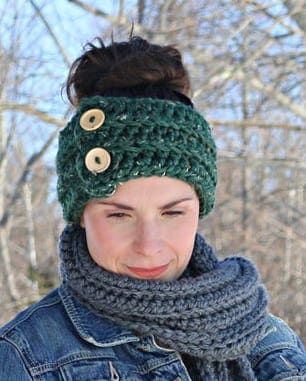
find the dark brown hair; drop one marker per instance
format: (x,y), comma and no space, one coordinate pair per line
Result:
(135,68)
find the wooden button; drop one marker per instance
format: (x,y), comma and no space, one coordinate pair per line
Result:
(97,160)
(92,119)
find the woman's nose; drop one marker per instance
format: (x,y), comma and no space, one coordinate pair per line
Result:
(148,239)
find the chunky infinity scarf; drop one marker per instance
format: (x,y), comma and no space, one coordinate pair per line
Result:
(215,313)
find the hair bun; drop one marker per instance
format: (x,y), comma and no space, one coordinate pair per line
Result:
(131,68)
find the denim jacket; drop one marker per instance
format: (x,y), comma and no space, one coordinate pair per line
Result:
(58,339)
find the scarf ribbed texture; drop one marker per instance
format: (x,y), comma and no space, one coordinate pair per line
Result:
(215,313)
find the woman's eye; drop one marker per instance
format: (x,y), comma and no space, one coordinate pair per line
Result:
(117,215)
(173,213)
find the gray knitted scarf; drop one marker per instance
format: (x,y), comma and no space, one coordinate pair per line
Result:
(214,314)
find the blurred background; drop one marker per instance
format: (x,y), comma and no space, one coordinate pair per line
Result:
(247,61)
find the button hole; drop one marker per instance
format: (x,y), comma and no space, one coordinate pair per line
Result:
(97,160)
(92,119)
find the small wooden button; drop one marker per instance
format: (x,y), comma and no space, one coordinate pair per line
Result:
(92,119)
(97,160)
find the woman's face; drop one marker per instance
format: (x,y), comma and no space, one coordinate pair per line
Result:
(145,230)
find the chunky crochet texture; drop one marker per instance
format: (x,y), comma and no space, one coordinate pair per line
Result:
(216,312)
(144,137)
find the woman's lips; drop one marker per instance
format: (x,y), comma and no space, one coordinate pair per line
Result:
(152,272)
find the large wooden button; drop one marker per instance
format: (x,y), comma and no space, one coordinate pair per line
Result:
(92,119)
(97,160)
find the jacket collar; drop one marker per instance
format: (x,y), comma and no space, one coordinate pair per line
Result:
(95,329)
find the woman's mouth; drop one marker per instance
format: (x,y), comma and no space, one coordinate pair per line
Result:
(149,273)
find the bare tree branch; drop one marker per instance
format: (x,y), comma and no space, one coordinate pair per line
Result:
(259,160)
(28,109)
(298,10)
(270,90)
(141,8)
(257,124)
(23,177)
(51,33)
(123,20)
(297,30)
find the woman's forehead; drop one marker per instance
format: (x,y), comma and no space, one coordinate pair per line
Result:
(160,189)
(154,183)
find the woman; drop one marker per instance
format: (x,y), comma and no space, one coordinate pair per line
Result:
(143,296)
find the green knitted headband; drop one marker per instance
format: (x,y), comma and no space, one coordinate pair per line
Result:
(111,140)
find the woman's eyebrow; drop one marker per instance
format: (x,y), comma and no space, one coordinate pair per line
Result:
(117,204)
(172,203)
(127,207)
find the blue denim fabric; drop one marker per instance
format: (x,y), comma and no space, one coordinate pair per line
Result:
(58,339)
(280,355)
